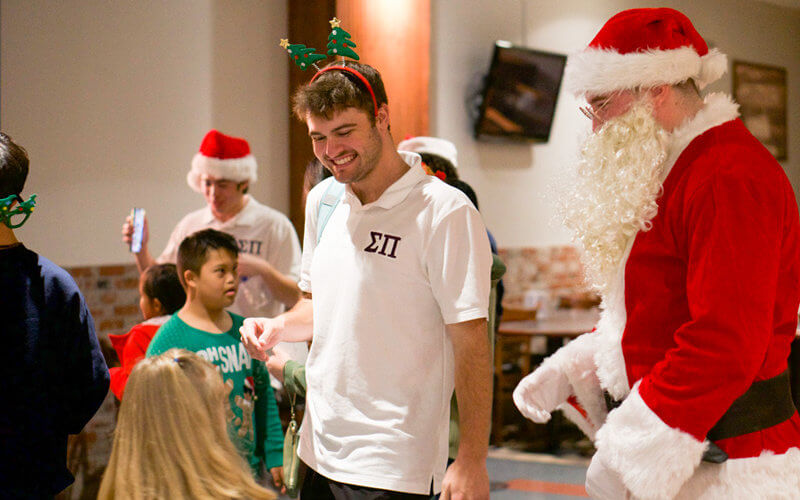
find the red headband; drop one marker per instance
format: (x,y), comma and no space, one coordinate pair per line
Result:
(358,75)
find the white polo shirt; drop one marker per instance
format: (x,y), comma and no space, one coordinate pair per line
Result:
(387,277)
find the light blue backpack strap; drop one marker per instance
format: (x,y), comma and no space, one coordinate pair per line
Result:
(327,204)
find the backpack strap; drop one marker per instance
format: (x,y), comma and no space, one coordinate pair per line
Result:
(327,204)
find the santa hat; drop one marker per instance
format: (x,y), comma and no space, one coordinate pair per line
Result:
(431,145)
(643,48)
(223,157)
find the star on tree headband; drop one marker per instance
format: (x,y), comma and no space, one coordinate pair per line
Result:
(339,44)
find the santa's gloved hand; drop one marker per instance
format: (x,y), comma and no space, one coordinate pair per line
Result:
(541,392)
(603,483)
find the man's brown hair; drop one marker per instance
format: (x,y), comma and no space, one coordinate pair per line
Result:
(335,91)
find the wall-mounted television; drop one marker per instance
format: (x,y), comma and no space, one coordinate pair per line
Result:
(519,97)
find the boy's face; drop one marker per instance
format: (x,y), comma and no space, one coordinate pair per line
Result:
(218,280)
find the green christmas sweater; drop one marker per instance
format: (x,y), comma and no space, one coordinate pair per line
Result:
(253,421)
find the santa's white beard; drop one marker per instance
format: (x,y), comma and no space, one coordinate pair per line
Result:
(619,178)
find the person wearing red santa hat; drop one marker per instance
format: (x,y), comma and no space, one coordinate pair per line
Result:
(691,235)
(269,257)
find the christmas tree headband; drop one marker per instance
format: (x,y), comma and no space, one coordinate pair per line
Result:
(24,208)
(339,44)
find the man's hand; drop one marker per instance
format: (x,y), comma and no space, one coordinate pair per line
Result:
(260,334)
(282,288)
(276,362)
(250,265)
(143,258)
(466,481)
(277,478)
(541,392)
(127,232)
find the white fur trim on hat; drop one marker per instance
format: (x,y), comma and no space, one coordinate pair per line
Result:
(653,459)
(598,71)
(235,169)
(431,145)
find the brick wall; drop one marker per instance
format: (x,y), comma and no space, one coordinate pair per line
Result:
(112,294)
(556,270)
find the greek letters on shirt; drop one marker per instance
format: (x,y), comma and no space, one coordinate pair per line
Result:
(383,244)
(229,358)
(252,247)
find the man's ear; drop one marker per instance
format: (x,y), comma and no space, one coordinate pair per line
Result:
(382,117)
(660,93)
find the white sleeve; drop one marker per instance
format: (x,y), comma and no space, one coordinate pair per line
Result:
(459,264)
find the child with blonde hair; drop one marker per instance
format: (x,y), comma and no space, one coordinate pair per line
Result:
(172,440)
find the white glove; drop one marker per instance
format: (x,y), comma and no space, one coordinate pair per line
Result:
(603,483)
(541,392)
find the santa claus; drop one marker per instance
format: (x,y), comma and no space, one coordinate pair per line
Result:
(691,235)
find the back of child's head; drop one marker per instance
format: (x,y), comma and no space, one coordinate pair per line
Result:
(171,439)
(193,250)
(13,167)
(160,281)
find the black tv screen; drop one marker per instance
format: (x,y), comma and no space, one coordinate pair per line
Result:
(519,98)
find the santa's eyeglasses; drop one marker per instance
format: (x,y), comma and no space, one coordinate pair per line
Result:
(592,111)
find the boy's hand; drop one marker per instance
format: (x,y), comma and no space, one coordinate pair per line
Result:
(260,334)
(276,362)
(277,478)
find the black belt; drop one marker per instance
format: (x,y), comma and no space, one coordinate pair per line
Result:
(765,404)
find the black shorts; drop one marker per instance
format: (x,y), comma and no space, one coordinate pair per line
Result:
(318,487)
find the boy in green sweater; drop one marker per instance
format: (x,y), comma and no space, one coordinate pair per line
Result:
(207,263)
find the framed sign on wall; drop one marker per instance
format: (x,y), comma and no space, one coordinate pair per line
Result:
(760,91)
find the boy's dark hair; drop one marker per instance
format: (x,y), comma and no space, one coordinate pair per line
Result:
(336,91)
(161,282)
(13,167)
(193,251)
(438,164)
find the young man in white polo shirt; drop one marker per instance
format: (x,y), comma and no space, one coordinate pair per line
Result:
(400,284)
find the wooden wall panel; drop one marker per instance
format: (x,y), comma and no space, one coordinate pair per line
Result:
(394,37)
(308,24)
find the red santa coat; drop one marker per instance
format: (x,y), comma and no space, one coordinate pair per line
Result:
(706,303)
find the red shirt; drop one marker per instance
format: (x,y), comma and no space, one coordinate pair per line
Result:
(131,348)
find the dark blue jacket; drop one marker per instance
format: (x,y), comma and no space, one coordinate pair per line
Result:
(53,377)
